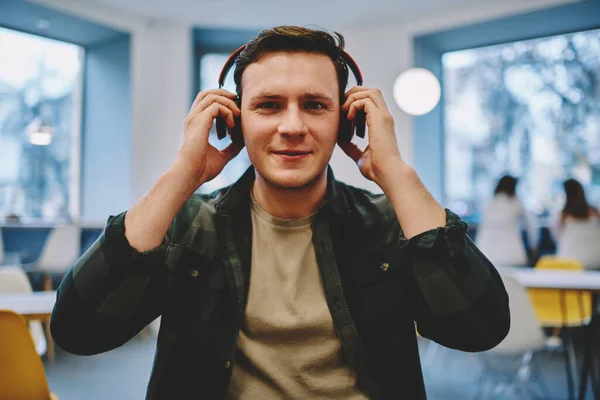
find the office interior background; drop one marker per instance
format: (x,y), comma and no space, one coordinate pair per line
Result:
(93,94)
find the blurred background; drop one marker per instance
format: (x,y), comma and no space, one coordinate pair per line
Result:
(93,94)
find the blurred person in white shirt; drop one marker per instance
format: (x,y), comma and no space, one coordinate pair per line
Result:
(502,220)
(576,229)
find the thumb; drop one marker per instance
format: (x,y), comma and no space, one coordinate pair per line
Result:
(232,150)
(351,150)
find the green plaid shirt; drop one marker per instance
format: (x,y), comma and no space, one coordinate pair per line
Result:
(377,284)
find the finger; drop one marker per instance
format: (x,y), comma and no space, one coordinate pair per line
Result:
(351,150)
(232,150)
(221,92)
(208,115)
(217,109)
(348,95)
(373,94)
(365,104)
(213,98)
(356,89)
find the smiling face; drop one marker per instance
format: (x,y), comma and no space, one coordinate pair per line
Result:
(290,117)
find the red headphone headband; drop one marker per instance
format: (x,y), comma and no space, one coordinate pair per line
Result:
(233,57)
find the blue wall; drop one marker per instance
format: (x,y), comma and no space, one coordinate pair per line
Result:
(428,140)
(106,142)
(428,49)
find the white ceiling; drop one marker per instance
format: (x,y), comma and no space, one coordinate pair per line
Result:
(328,14)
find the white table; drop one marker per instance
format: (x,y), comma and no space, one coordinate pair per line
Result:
(34,306)
(585,281)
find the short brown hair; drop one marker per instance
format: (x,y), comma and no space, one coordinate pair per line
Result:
(294,39)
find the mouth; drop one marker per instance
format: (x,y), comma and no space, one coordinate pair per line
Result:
(291,154)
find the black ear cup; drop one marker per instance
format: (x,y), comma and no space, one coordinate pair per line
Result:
(346,131)
(221,127)
(360,124)
(235,132)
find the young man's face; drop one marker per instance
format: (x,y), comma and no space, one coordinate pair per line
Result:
(290,116)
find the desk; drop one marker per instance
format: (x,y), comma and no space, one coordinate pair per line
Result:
(34,306)
(586,280)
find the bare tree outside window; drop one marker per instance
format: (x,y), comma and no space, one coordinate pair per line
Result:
(528,108)
(40,110)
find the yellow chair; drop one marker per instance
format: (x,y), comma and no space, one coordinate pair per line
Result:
(556,309)
(23,376)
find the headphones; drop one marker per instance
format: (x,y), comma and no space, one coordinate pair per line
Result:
(346,130)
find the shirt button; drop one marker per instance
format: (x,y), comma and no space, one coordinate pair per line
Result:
(194,273)
(227,364)
(385,266)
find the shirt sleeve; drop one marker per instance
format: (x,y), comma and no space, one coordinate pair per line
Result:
(110,294)
(460,300)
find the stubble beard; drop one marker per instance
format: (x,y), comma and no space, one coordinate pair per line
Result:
(292,187)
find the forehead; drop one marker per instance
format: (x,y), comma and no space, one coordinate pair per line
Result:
(287,72)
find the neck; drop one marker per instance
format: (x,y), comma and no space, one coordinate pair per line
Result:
(290,203)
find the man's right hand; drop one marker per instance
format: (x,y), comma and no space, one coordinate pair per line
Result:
(198,161)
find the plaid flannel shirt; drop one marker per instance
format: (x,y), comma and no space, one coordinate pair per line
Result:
(378,284)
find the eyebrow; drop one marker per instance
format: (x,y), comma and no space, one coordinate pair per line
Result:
(308,95)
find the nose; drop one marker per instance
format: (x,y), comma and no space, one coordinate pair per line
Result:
(292,123)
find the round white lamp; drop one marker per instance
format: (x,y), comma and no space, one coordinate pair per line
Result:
(417,91)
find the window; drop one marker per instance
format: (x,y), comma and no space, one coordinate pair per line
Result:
(40,110)
(528,108)
(211,65)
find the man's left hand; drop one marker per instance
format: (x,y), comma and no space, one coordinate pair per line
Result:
(382,154)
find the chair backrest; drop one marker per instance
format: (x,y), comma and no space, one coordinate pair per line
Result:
(555,308)
(552,262)
(525,333)
(23,375)
(61,249)
(14,280)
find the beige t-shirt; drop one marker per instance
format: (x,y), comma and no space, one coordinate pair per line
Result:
(287,347)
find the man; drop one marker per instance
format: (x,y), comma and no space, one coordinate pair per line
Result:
(289,284)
